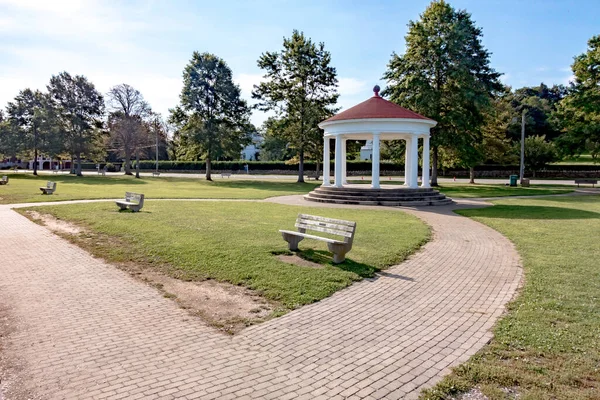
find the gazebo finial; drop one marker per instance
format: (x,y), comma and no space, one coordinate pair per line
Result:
(376,90)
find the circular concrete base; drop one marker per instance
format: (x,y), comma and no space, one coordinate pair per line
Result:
(387,195)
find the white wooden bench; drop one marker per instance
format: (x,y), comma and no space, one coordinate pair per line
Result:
(4,180)
(226,174)
(49,188)
(133,201)
(338,227)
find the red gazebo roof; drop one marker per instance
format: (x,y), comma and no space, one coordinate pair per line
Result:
(376,107)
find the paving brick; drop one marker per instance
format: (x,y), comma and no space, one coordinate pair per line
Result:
(85,327)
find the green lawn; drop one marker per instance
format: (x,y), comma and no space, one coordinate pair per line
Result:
(24,188)
(548,345)
(237,242)
(488,190)
(495,190)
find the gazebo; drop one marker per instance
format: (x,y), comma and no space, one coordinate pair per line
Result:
(376,119)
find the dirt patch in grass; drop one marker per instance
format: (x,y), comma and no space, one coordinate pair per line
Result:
(55,224)
(296,260)
(227,307)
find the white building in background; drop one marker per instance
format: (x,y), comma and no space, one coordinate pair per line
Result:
(366,151)
(252,151)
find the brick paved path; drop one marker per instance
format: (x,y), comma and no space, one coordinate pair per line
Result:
(86,330)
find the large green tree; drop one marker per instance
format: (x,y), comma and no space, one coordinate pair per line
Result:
(301,87)
(579,112)
(445,75)
(80,107)
(33,117)
(212,120)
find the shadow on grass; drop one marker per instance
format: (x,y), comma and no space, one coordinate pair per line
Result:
(529,212)
(325,257)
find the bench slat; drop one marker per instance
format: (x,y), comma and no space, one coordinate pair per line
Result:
(323,219)
(309,236)
(325,230)
(343,228)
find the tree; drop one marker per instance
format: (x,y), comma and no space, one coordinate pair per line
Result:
(128,134)
(301,87)
(538,152)
(212,119)
(445,75)
(80,108)
(579,111)
(33,117)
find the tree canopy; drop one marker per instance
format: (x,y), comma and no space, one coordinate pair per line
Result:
(445,75)
(80,107)
(579,111)
(212,120)
(301,87)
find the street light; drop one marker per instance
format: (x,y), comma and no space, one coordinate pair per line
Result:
(522,164)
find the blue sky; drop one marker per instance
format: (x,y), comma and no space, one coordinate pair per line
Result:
(147,43)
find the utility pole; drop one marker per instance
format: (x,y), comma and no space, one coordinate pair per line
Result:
(522,167)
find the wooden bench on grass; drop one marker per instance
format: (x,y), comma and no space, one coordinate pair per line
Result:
(49,188)
(338,227)
(4,180)
(226,174)
(586,181)
(133,201)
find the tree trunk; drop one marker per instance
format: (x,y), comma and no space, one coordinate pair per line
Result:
(208,169)
(137,164)
(434,166)
(78,169)
(301,167)
(128,164)
(35,151)
(472,175)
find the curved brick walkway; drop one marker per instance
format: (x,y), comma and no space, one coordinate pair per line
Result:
(86,330)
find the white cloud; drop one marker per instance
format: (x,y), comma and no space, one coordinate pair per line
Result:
(351,86)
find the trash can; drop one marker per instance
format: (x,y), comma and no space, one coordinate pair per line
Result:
(513,180)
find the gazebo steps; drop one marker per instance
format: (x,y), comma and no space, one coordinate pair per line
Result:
(385,197)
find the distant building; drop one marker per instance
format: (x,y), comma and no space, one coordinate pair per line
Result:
(366,151)
(252,151)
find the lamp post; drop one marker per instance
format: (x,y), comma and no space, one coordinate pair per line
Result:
(522,166)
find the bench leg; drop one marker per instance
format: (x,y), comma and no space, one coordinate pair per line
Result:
(339,251)
(292,240)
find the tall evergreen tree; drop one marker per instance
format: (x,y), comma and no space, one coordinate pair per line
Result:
(33,117)
(445,75)
(212,118)
(80,108)
(301,87)
(579,112)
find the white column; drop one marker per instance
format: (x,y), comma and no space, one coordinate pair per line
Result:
(338,162)
(344,175)
(414,162)
(326,162)
(425,179)
(407,162)
(375,162)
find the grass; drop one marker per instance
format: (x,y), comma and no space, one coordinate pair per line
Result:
(237,242)
(24,188)
(488,190)
(583,159)
(548,344)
